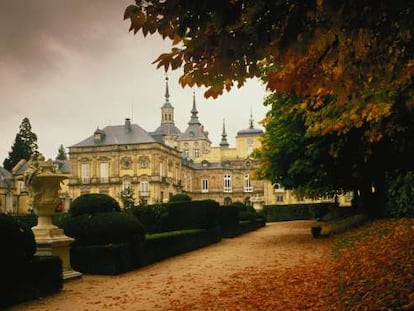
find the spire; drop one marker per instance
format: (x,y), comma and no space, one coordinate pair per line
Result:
(167,92)
(251,119)
(224,142)
(194,112)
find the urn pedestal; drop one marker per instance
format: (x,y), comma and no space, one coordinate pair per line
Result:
(50,240)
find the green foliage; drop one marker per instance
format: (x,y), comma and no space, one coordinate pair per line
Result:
(61,153)
(246,213)
(110,259)
(127,196)
(299,211)
(37,278)
(104,228)
(92,203)
(152,217)
(192,215)
(400,194)
(180,197)
(164,245)
(17,242)
(24,147)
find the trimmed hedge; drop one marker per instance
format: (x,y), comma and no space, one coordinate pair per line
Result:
(39,277)
(180,197)
(152,217)
(228,219)
(104,228)
(191,215)
(297,211)
(247,226)
(92,203)
(168,244)
(17,241)
(110,259)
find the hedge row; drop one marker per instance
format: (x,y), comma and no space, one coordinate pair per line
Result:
(39,277)
(297,211)
(113,259)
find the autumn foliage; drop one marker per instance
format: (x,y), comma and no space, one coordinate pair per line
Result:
(370,268)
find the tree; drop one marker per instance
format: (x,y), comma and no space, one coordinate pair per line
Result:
(61,153)
(348,65)
(359,53)
(127,196)
(24,147)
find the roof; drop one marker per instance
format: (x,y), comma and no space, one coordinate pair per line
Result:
(118,135)
(249,131)
(4,175)
(167,129)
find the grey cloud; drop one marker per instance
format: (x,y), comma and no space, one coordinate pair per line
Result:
(35,34)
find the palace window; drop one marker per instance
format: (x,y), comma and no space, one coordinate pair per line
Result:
(143,162)
(104,172)
(248,187)
(85,173)
(227,183)
(204,185)
(126,183)
(144,188)
(279,198)
(196,153)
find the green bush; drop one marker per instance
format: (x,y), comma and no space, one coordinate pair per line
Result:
(104,228)
(17,241)
(92,203)
(400,195)
(164,245)
(298,211)
(152,217)
(38,277)
(180,197)
(191,215)
(245,212)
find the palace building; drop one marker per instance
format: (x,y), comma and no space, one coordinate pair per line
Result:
(156,165)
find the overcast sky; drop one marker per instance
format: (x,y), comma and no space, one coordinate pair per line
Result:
(71,65)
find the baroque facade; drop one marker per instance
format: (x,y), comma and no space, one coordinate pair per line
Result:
(168,161)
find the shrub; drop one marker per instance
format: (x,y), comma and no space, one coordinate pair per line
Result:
(152,217)
(400,195)
(104,228)
(92,203)
(192,215)
(180,197)
(300,211)
(17,241)
(245,212)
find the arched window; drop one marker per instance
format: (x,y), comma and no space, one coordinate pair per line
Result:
(227,201)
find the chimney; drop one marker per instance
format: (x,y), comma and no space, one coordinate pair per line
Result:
(128,124)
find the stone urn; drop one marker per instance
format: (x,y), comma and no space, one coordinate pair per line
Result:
(44,183)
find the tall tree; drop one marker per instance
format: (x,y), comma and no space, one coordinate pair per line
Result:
(24,147)
(359,53)
(62,153)
(348,65)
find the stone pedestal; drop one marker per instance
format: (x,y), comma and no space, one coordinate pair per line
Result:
(52,241)
(258,202)
(44,184)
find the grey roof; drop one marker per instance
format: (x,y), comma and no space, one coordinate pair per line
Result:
(250,130)
(5,175)
(20,168)
(194,131)
(63,165)
(119,135)
(167,129)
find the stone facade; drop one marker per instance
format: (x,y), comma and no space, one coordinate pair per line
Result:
(168,161)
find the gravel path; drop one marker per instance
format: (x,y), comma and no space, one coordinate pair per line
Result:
(186,277)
